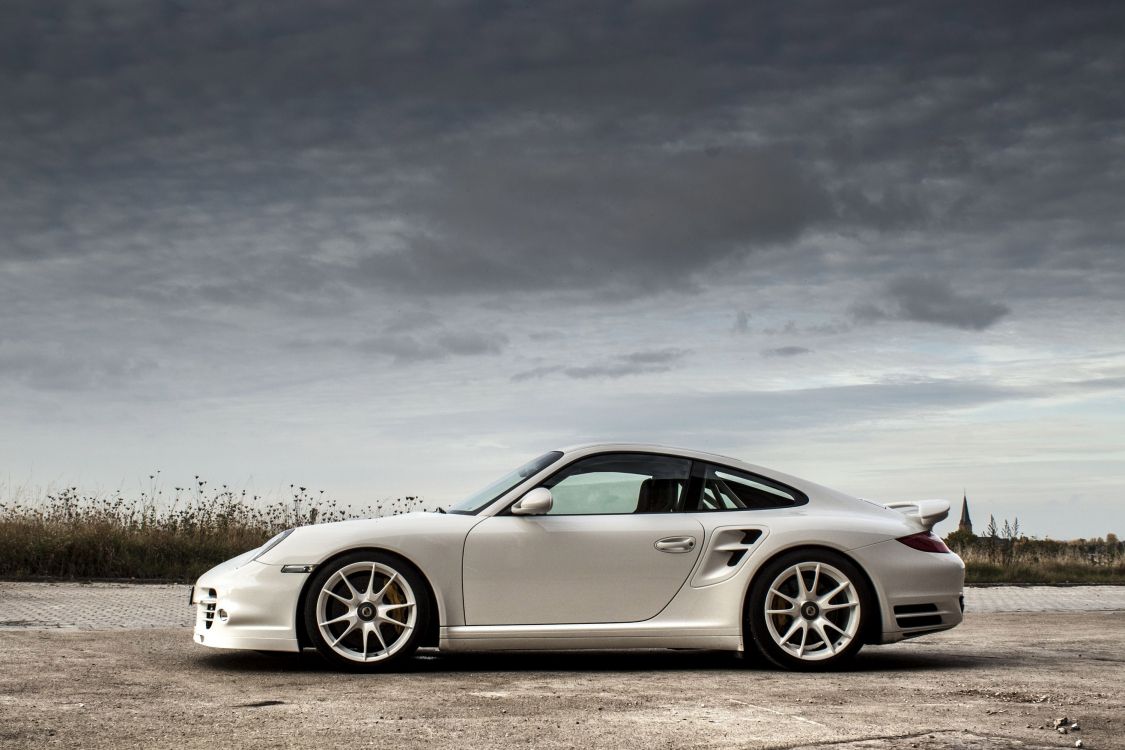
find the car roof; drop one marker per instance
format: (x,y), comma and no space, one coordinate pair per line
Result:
(649,448)
(674,451)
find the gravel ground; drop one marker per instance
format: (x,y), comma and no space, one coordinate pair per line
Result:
(106,606)
(998,681)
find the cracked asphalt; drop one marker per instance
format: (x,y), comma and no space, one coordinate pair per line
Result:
(997,681)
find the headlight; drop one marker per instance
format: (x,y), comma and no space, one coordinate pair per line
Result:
(273,543)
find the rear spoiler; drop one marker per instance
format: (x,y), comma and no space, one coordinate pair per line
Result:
(928,512)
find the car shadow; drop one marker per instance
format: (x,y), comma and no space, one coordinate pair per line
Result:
(647,661)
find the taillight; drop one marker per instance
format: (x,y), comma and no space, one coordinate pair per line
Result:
(925,541)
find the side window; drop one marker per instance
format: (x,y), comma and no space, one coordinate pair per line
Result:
(620,483)
(727,489)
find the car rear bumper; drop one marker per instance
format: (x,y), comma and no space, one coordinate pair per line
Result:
(919,592)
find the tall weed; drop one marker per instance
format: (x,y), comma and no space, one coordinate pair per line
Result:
(69,534)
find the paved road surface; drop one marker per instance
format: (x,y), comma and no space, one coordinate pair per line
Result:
(110,665)
(102,606)
(998,681)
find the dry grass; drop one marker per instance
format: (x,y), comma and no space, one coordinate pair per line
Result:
(68,534)
(999,559)
(1043,572)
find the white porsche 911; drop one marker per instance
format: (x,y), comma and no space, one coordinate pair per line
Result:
(600,547)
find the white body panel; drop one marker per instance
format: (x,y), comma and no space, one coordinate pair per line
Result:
(538,570)
(555,582)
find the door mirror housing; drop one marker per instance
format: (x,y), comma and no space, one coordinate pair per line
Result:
(538,502)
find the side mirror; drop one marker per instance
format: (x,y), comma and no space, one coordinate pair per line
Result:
(538,502)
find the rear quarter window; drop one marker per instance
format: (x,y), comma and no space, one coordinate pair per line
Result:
(731,489)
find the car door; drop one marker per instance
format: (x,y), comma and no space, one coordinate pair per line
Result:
(615,547)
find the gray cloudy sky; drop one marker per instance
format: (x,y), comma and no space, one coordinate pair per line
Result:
(389,248)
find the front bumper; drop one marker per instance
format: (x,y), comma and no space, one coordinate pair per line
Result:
(246,604)
(919,592)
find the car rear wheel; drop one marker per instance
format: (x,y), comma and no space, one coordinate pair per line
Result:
(807,610)
(366,611)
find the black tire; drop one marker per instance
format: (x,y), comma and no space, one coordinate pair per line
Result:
(404,597)
(814,653)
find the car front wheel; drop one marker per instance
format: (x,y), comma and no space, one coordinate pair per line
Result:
(807,610)
(366,610)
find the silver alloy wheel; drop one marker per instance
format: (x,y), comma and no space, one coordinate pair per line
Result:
(812,611)
(366,611)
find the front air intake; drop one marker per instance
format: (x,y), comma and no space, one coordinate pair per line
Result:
(208,600)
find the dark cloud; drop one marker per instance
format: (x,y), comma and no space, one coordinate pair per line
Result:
(52,368)
(408,348)
(786,351)
(234,170)
(634,363)
(1101,385)
(546,335)
(537,372)
(351,146)
(792,328)
(641,219)
(741,322)
(405,348)
(932,300)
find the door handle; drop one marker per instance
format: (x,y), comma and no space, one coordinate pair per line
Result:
(676,544)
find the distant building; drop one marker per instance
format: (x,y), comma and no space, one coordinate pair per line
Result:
(966,522)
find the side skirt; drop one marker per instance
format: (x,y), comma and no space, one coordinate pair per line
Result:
(557,638)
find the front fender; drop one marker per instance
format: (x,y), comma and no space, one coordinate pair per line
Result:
(432,542)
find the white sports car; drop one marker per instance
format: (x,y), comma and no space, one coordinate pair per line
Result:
(600,547)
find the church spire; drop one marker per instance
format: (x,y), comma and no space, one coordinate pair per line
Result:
(966,522)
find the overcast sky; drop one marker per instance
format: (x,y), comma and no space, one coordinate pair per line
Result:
(392,248)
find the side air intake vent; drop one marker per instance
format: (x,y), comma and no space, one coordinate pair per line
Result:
(726,551)
(917,615)
(748,538)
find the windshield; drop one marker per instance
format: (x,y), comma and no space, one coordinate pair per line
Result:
(478,500)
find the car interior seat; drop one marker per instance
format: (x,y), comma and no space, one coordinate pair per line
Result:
(658,495)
